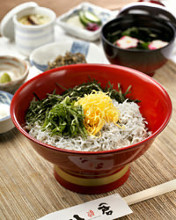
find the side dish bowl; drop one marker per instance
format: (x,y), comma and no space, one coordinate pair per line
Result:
(17,71)
(40,59)
(94,172)
(144,60)
(6,123)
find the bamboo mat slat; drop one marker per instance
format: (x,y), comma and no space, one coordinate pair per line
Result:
(28,189)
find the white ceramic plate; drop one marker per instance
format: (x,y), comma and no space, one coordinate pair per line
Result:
(48,53)
(104,14)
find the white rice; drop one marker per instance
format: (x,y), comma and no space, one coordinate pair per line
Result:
(112,137)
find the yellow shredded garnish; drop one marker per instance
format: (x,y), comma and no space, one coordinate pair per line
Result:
(98,109)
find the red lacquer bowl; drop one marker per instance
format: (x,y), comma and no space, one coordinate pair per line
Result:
(94,172)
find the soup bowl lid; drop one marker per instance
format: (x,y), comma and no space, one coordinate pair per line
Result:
(150,9)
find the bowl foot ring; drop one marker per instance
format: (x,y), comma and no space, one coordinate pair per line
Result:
(89,185)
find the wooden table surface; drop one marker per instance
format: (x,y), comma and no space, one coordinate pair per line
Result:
(61,7)
(28,189)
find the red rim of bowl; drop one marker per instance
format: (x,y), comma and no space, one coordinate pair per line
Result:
(133,71)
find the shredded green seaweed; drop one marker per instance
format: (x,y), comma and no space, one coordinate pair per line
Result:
(65,119)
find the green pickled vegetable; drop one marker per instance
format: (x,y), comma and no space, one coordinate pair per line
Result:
(5,78)
(87,17)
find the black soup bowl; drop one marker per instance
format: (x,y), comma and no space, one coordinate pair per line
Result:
(146,61)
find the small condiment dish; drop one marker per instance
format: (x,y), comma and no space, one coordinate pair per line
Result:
(40,59)
(15,71)
(75,28)
(6,123)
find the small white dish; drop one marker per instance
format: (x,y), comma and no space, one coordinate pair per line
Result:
(41,56)
(6,123)
(77,31)
(17,69)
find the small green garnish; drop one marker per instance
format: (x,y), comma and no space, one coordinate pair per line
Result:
(144,36)
(87,17)
(65,119)
(5,78)
(38,108)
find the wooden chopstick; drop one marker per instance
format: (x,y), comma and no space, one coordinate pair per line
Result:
(151,192)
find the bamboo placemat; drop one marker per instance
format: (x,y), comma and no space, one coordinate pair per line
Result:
(28,189)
